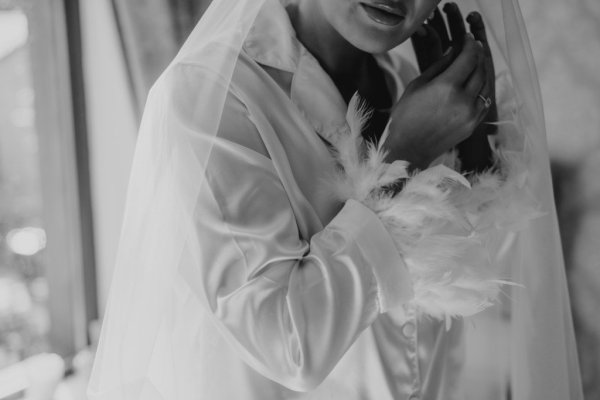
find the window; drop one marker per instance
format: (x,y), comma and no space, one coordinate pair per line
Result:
(47,284)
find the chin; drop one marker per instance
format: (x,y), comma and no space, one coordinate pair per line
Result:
(375,42)
(376,45)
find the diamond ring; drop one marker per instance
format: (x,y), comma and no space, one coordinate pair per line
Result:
(487,102)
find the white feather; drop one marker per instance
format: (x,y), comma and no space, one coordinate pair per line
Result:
(446,226)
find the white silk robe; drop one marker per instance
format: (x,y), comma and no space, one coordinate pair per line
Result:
(309,295)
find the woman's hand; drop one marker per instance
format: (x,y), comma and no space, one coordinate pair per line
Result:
(429,43)
(475,152)
(440,108)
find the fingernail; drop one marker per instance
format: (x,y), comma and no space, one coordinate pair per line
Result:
(448,50)
(479,43)
(470,36)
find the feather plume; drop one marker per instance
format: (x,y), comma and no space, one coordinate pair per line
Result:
(444,224)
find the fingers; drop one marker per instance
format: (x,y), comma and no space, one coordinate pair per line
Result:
(456,24)
(439,66)
(427,45)
(437,22)
(478,88)
(464,65)
(478,77)
(477,28)
(472,70)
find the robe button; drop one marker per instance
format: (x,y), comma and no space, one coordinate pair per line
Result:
(408,330)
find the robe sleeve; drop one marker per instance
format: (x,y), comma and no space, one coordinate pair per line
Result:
(291,306)
(451,229)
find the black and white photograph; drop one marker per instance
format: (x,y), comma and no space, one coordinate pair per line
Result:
(299,200)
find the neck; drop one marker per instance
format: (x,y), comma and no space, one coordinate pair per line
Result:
(340,59)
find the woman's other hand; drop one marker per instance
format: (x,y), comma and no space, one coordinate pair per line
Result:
(435,38)
(475,152)
(440,108)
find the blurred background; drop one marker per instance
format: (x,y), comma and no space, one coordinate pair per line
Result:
(73,79)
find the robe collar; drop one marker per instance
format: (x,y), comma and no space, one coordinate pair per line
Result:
(272,42)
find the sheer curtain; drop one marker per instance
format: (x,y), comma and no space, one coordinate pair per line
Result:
(151,33)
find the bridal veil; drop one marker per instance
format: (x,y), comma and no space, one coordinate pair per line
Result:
(158,243)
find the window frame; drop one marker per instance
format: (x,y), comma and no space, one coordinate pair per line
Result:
(69,259)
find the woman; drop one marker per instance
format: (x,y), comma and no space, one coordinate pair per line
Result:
(270,252)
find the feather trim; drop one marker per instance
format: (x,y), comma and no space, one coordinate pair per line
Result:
(449,228)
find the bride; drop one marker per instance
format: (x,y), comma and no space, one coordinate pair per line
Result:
(309,217)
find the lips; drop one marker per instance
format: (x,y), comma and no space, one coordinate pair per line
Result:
(384,13)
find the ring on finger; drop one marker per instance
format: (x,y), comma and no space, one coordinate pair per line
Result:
(487,102)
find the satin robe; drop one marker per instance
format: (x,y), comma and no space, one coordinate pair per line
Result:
(310,296)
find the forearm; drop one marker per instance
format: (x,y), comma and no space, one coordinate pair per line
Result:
(291,306)
(293,319)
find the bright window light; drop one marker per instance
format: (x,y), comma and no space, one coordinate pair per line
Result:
(26,241)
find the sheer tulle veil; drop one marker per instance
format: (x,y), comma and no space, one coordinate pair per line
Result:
(141,356)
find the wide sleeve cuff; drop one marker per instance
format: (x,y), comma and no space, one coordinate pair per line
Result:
(378,248)
(447,227)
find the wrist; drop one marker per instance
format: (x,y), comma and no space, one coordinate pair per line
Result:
(398,149)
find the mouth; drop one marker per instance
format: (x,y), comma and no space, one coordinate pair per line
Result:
(384,13)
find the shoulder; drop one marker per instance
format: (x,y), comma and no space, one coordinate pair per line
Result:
(204,101)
